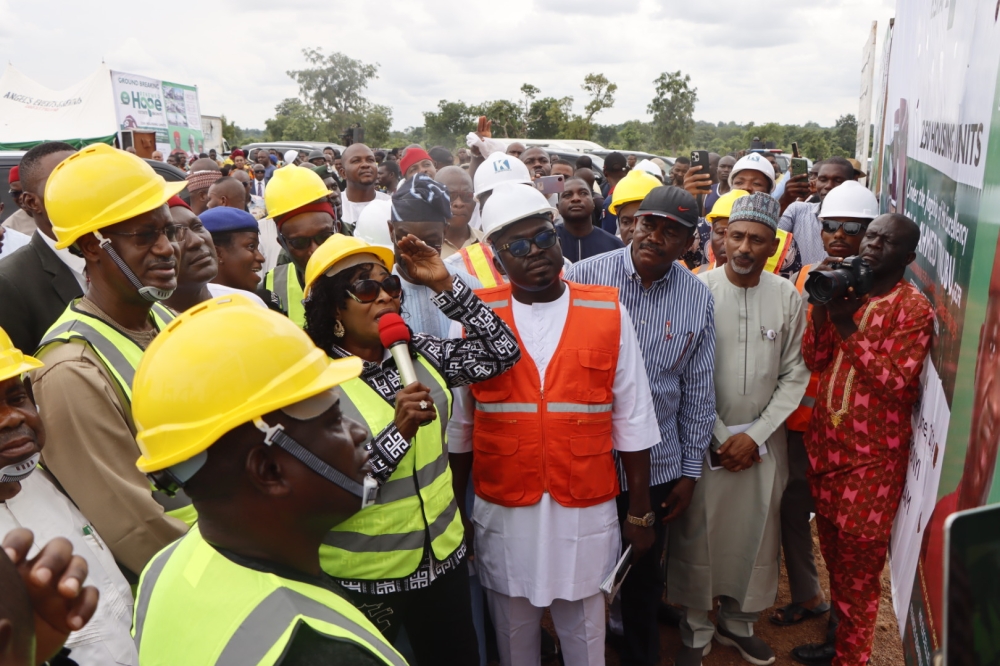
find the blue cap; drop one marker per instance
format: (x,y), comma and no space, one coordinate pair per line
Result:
(222,219)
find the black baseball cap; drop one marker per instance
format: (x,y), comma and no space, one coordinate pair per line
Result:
(673,202)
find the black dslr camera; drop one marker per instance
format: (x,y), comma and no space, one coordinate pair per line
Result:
(853,272)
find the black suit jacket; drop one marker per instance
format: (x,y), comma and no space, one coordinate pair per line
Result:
(35,288)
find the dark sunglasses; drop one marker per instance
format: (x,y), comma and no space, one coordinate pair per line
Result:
(850,228)
(303,242)
(522,246)
(147,238)
(366,291)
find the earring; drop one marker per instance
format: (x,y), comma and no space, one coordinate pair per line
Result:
(338,329)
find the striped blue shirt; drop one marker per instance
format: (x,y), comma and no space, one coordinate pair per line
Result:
(675,323)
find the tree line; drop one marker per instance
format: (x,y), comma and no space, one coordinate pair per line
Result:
(332,99)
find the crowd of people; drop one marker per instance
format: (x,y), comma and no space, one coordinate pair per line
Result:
(387,407)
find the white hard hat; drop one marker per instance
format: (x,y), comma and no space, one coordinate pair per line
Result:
(756,162)
(650,167)
(850,199)
(500,168)
(372,226)
(290,156)
(511,202)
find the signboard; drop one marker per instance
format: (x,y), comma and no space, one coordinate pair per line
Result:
(169,109)
(865,99)
(939,164)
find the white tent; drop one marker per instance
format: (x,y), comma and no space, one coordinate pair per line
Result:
(31,113)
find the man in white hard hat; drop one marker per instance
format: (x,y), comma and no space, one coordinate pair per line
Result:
(477,259)
(844,217)
(801,217)
(572,399)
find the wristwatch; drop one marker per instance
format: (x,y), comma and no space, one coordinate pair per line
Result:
(645,521)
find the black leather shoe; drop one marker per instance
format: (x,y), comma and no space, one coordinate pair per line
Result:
(814,654)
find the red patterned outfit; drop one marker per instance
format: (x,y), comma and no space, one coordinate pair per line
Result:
(858,443)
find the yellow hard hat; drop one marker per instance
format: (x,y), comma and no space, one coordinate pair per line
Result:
(100,186)
(12,362)
(633,187)
(723,206)
(292,187)
(335,250)
(223,363)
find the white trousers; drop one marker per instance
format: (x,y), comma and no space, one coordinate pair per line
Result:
(579,624)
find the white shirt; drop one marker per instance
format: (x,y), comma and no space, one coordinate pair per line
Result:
(12,240)
(352,209)
(41,508)
(269,245)
(223,290)
(547,551)
(76,264)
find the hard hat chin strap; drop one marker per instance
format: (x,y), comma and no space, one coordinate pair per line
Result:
(20,470)
(151,294)
(276,435)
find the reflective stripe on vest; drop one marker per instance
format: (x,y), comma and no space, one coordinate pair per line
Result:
(120,356)
(231,615)
(289,292)
(478,261)
(119,353)
(387,540)
(531,437)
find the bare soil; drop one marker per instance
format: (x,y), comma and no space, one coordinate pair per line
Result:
(887,651)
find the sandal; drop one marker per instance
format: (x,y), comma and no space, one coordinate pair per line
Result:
(794,613)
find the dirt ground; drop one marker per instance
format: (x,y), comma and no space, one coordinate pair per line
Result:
(887,651)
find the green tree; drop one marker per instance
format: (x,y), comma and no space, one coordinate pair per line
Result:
(452,121)
(294,121)
(506,118)
(528,95)
(672,109)
(231,133)
(549,117)
(633,135)
(378,125)
(334,86)
(845,135)
(602,95)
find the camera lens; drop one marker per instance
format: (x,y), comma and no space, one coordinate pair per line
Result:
(824,286)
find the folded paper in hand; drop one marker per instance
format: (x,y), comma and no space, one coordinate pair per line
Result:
(614,581)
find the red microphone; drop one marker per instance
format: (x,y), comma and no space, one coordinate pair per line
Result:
(395,336)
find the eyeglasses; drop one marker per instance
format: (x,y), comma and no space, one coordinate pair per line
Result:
(15,194)
(467,197)
(366,291)
(522,246)
(147,238)
(303,242)
(850,228)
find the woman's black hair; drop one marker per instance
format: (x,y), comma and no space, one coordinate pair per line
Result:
(327,298)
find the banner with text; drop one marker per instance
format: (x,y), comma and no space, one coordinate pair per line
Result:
(169,109)
(938,154)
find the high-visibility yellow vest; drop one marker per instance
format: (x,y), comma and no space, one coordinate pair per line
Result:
(283,281)
(386,540)
(120,356)
(196,606)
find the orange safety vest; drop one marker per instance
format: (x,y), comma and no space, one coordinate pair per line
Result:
(530,438)
(799,420)
(478,260)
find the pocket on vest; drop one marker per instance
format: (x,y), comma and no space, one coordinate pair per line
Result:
(592,470)
(497,389)
(597,378)
(496,473)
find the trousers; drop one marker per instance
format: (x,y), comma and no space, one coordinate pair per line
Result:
(579,625)
(855,565)
(642,589)
(437,619)
(697,629)
(796,535)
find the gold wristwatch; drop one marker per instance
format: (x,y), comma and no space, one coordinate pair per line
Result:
(645,521)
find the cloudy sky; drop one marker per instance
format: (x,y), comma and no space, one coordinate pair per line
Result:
(751,60)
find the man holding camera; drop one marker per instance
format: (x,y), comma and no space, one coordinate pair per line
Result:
(845,216)
(869,342)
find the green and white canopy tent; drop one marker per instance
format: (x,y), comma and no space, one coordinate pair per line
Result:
(31,113)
